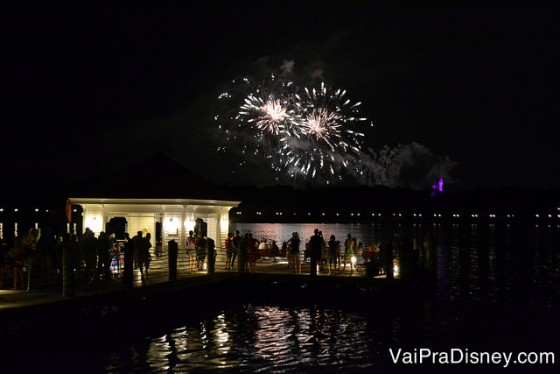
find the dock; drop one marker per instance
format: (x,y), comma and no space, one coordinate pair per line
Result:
(158,281)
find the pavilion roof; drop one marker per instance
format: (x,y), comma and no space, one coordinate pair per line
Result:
(157,177)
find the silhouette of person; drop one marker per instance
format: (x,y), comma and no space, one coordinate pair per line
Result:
(128,261)
(235,243)
(316,244)
(333,253)
(229,250)
(88,247)
(191,250)
(294,244)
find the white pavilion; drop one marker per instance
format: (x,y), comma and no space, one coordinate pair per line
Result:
(157,195)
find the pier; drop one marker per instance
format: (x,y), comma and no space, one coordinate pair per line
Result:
(38,292)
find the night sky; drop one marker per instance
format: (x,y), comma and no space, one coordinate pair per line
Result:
(87,90)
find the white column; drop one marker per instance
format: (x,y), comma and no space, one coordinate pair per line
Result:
(182,229)
(154,231)
(163,231)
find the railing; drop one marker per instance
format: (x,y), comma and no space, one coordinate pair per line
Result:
(43,272)
(39,274)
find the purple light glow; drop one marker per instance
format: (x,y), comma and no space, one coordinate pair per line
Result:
(438,186)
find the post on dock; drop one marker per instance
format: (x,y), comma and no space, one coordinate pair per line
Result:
(128,274)
(173,249)
(68,284)
(388,260)
(211,255)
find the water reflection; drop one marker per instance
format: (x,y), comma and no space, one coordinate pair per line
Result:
(254,338)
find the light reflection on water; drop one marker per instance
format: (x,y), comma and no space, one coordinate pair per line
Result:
(257,338)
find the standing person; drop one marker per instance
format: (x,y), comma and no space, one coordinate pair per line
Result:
(360,256)
(316,247)
(88,247)
(128,249)
(349,250)
(294,244)
(147,255)
(229,250)
(144,246)
(285,253)
(275,251)
(104,247)
(235,243)
(333,253)
(242,253)
(191,250)
(200,245)
(289,256)
(252,247)
(324,258)
(200,227)
(137,244)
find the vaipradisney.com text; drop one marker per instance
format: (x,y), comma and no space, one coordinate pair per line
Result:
(457,356)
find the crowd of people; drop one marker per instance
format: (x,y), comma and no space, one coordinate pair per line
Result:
(395,256)
(199,247)
(330,256)
(94,257)
(40,254)
(38,251)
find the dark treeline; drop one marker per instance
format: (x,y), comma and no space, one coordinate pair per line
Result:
(364,201)
(311,204)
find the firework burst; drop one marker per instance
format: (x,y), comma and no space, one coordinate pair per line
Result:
(262,114)
(267,115)
(307,133)
(325,141)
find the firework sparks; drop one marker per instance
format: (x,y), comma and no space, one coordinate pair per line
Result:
(307,132)
(323,125)
(263,113)
(268,116)
(323,140)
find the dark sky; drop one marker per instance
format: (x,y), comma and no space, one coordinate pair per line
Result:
(87,90)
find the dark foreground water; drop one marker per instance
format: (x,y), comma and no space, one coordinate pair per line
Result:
(497,290)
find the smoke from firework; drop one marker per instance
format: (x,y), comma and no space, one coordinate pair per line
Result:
(410,166)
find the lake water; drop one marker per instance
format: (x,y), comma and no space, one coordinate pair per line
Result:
(497,289)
